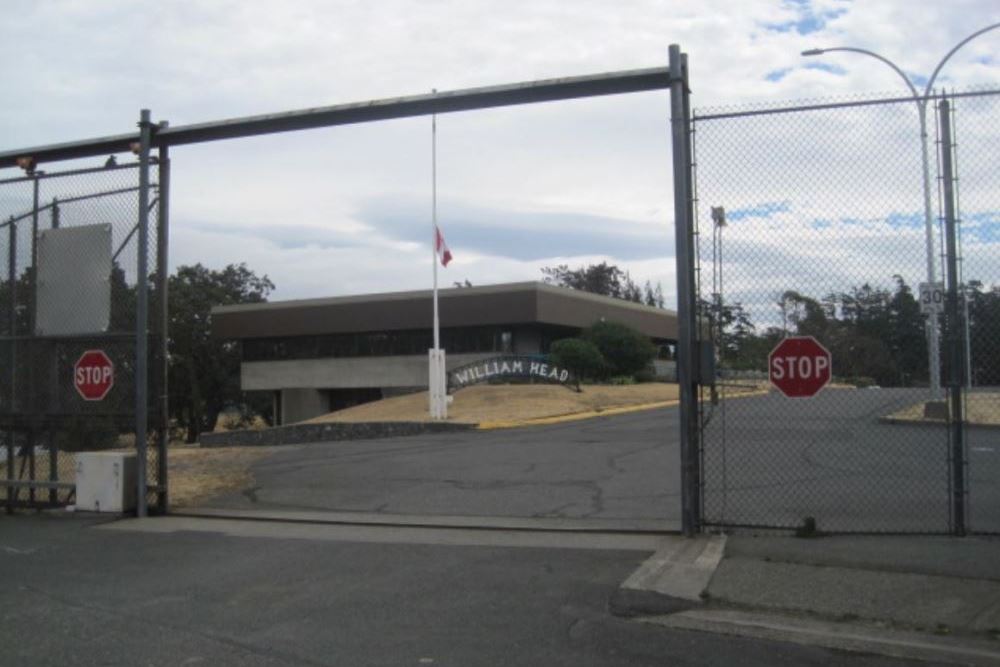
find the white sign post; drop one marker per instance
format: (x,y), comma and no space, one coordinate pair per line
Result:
(931,298)
(437,385)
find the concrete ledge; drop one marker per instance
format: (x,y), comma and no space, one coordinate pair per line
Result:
(852,637)
(952,604)
(673,579)
(297,434)
(654,527)
(572,416)
(936,423)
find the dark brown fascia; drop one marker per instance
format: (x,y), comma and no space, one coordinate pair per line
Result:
(491,305)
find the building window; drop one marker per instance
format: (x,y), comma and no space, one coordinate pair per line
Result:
(464,340)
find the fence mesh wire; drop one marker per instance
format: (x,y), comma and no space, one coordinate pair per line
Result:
(68,287)
(977,149)
(824,236)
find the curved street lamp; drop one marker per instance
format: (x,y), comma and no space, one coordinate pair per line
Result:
(921,101)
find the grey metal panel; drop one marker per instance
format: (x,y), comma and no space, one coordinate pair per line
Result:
(611,83)
(74,287)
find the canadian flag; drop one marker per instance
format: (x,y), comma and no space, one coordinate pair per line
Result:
(441,247)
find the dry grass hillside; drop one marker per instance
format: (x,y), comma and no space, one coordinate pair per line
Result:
(503,403)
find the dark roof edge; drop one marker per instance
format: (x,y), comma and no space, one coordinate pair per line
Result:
(443,293)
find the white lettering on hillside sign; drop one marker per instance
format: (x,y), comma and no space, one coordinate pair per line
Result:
(507,367)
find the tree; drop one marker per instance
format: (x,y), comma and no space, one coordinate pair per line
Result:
(984,322)
(204,371)
(735,329)
(625,350)
(600,278)
(648,297)
(807,314)
(580,357)
(605,279)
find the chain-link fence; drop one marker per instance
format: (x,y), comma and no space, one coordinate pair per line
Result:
(976,125)
(68,310)
(825,234)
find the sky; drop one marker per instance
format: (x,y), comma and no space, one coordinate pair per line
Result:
(347,210)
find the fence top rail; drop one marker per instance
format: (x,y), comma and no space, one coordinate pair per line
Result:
(44,175)
(548,90)
(765,111)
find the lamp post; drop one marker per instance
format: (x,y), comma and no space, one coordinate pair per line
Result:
(921,102)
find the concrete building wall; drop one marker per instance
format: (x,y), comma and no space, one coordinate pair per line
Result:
(665,371)
(345,372)
(301,404)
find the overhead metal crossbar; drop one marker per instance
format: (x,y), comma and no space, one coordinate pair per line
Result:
(548,90)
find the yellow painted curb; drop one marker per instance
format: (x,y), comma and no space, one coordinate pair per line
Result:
(590,414)
(573,416)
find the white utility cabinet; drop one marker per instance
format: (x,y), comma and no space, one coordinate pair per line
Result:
(105,481)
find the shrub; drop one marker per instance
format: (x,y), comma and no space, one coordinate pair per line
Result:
(625,350)
(580,357)
(647,374)
(87,433)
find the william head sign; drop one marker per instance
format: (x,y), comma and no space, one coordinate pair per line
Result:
(507,367)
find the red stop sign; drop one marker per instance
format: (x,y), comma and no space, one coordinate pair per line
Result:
(799,366)
(93,375)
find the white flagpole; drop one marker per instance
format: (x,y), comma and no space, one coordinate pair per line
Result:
(435,362)
(434,222)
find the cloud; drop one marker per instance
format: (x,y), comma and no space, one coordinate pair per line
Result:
(809,18)
(523,235)
(343,209)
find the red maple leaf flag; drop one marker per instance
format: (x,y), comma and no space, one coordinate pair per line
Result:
(441,247)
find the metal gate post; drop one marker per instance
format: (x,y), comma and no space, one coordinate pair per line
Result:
(685,292)
(142,315)
(12,356)
(956,365)
(33,343)
(162,229)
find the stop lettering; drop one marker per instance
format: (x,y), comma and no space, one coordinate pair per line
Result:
(799,367)
(93,375)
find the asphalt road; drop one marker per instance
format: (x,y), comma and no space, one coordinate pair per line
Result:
(607,468)
(769,461)
(167,591)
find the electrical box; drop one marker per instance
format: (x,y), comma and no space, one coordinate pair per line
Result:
(105,481)
(704,370)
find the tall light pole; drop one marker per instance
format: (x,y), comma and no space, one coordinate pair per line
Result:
(921,102)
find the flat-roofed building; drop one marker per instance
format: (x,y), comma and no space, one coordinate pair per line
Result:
(319,355)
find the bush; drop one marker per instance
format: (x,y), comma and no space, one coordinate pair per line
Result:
(87,433)
(579,357)
(625,350)
(646,375)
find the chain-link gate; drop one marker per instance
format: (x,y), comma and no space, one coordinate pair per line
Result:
(70,257)
(976,130)
(819,230)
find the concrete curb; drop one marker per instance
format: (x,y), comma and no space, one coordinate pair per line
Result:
(573,416)
(591,414)
(898,421)
(653,527)
(673,579)
(853,637)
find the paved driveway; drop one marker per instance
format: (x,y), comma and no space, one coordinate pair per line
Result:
(768,461)
(607,468)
